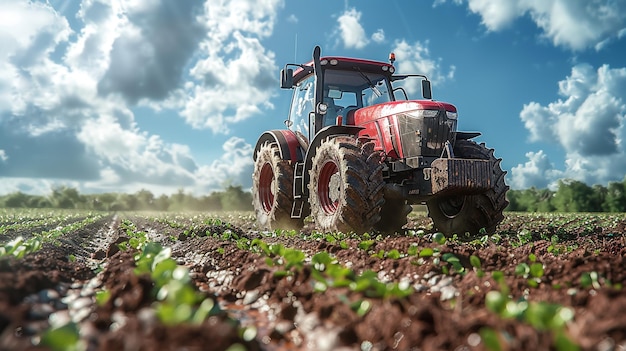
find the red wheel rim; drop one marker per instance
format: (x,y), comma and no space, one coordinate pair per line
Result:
(266,195)
(328,204)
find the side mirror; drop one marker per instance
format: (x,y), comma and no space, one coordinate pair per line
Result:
(426,90)
(286,78)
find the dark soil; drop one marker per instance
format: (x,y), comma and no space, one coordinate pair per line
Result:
(445,311)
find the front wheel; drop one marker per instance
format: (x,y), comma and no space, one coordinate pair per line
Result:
(272,187)
(467,215)
(346,187)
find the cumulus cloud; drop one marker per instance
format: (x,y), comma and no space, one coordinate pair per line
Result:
(538,172)
(351,31)
(576,24)
(416,58)
(234,79)
(68,99)
(378,36)
(235,165)
(153,46)
(228,89)
(588,122)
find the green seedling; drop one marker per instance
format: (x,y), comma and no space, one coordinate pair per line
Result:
(413,250)
(590,279)
(439,238)
(366,244)
(63,338)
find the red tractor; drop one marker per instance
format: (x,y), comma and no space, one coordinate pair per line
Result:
(355,157)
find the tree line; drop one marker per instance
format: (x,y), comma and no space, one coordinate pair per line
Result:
(232,198)
(570,196)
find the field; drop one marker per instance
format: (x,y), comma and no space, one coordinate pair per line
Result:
(163,281)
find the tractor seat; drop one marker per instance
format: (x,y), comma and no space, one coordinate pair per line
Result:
(348,115)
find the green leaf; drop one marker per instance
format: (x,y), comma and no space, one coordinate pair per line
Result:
(203,311)
(426,252)
(394,254)
(495,301)
(439,238)
(522,269)
(366,244)
(322,257)
(413,250)
(475,261)
(449,257)
(63,338)
(102,297)
(490,339)
(563,343)
(293,257)
(536,270)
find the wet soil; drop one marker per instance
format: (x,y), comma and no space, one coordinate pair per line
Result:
(264,306)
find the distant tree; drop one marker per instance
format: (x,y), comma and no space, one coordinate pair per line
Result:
(212,202)
(615,200)
(530,200)
(16,199)
(65,197)
(38,201)
(573,196)
(235,199)
(162,203)
(145,200)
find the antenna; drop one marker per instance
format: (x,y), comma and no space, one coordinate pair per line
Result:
(295,50)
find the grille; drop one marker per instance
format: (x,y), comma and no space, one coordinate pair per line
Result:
(425,136)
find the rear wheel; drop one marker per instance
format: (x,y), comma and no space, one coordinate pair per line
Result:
(272,190)
(346,188)
(467,215)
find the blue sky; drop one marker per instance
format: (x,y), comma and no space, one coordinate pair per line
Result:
(162,95)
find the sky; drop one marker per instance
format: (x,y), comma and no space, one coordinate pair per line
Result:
(124,95)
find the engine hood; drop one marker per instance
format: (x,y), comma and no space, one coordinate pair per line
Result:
(397,107)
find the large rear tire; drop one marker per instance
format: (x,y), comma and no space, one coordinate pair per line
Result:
(346,187)
(467,215)
(272,190)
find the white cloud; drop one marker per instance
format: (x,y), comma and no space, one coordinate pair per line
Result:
(351,31)
(231,90)
(379,36)
(416,59)
(235,165)
(292,18)
(588,122)
(538,172)
(67,98)
(575,24)
(235,78)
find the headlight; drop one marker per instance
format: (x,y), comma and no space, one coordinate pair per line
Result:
(423,113)
(451,115)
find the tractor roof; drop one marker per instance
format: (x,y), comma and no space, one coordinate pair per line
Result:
(347,63)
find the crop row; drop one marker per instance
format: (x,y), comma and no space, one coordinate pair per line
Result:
(20,246)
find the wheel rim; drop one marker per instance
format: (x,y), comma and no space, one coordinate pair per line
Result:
(452,207)
(329,187)
(266,188)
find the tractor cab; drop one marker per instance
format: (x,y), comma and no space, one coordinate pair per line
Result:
(328,91)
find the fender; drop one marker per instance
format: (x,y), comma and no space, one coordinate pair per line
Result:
(332,131)
(288,145)
(467,135)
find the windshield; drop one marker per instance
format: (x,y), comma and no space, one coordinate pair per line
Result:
(365,88)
